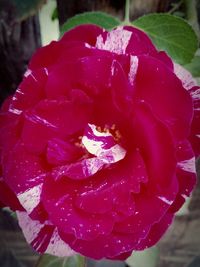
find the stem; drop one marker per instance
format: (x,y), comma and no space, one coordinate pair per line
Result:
(127,12)
(82,261)
(191,14)
(175,7)
(85,262)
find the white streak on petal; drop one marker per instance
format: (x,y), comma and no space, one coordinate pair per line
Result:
(116,41)
(96,147)
(30,228)
(58,247)
(30,198)
(93,146)
(184,196)
(186,78)
(33,77)
(112,155)
(92,166)
(87,45)
(27,73)
(165,200)
(188,165)
(37,119)
(196,94)
(46,71)
(133,69)
(14,110)
(18,92)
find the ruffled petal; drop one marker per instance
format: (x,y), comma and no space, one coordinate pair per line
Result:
(43,237)
(156,232)
(195,127)
(109,246)
(58,199)
(155,142)
(24,172)
(29,92)
(161,89)
(87,33)
(8,198)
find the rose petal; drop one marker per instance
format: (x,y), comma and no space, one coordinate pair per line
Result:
(109,246)
(8,198)
(195,128)
(156,232)
(155,142)
(61,152)
(85,33)
(162,90)
(115,191)
(24,172)
(185,76)
(10,127)
(43,237)
(29,92)
(186,170)
(58,201)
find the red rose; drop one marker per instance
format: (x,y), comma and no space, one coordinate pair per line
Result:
(95,149)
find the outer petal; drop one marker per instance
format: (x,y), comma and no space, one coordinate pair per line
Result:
(29,92)
(43,237)
(162,91)
(86,33)
(109,246)
(8,198)
(186,174)
(22,171)
(190,84)
(156,144)
(10,127)
(156,232)
(185,76)
(195,128)
(132,41)
(125,40)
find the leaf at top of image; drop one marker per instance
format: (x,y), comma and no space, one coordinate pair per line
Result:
(99,18)
(170,33)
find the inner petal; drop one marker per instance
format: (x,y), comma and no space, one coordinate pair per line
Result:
(101,151)
(103,144)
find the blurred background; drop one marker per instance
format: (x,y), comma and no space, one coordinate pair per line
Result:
(26,25)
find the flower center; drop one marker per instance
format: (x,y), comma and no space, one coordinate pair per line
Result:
(102,150)
(102,143)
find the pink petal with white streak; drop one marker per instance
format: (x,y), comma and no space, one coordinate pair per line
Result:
(185,76)
(102,146)
(30,198)
(43,237)
(116,41)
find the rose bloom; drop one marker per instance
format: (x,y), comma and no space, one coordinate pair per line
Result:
(95,144)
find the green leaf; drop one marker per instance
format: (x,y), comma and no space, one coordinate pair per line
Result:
(52,261)
(170,33)
(99,18)
(146,258)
